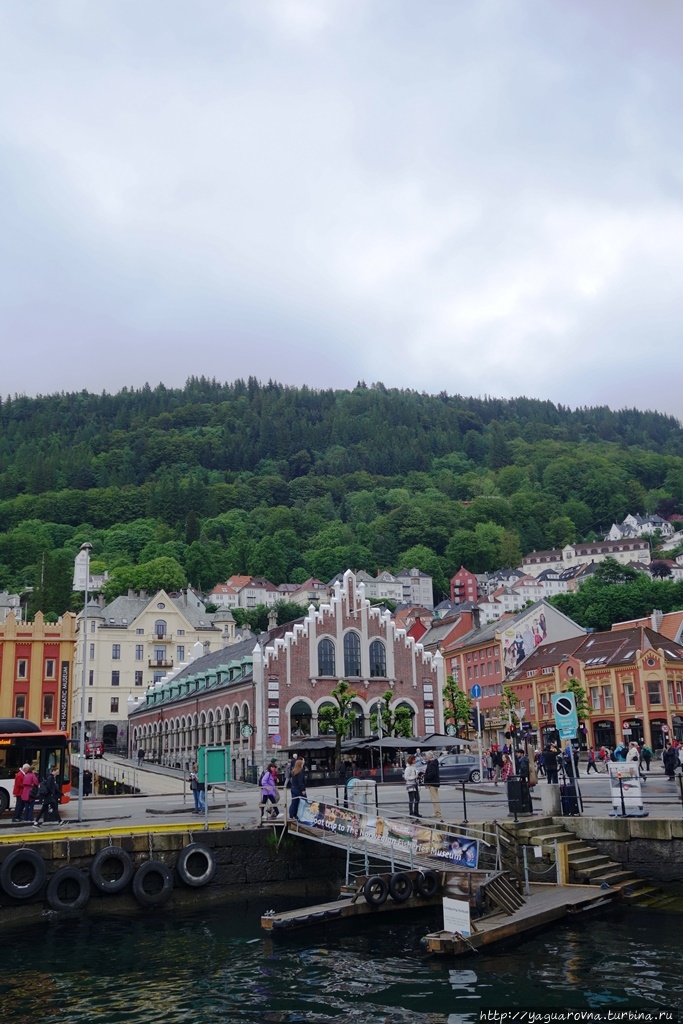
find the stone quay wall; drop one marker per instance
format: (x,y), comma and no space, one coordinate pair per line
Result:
(651,847)
(249,865)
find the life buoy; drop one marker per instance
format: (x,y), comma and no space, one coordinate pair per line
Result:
(427,884)
(196,865)
(112,869)
(152,884)
(22,874)
(375,891)
(68,889)
(400,887)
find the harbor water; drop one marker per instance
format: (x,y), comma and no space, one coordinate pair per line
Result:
(218,967)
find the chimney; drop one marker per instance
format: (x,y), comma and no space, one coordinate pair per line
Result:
(272,619)
(656,619)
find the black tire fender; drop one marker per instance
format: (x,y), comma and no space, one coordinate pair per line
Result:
(152,884)
(99,869)
(74,882)
(375,891)
(30,867)
(427,884)
(400,887)
(196,865)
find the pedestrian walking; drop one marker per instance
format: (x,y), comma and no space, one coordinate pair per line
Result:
(269,793)
(592,763)
(141,757)
(507,770)
(297,786)
(50,792)
(410,779)
(197,789)
(646,755)
(29,793)
(432,782)
(497,758)
(671,762)
(16,792)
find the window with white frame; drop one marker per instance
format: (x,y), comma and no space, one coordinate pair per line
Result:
(629,695)
(22,670)
(607,696)
(595,698)
(50,668)
(654,691)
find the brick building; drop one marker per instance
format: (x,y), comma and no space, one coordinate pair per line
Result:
(265,695)
(36,670)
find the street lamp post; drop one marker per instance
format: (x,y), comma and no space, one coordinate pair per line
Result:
(81,580)
(380,705)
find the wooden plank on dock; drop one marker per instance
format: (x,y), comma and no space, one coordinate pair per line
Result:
(339,910)
(546,903)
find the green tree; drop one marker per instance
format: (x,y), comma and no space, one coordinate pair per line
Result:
(192,528)
(339,717)
(394,723)
(508,707)
(457,705)
(583,708)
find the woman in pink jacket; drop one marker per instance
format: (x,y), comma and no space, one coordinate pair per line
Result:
(29,793)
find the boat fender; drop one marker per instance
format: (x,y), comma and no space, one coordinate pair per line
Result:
(400,887)
(196,865)
(22,874)
(68,889)
(152,884)
(375,891)
(111,860)
(427,884)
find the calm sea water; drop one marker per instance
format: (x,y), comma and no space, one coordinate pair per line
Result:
(216,967)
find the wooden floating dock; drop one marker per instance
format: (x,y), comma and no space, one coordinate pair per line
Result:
(339,910)
(545,904)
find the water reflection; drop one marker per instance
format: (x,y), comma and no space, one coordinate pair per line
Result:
(216,968)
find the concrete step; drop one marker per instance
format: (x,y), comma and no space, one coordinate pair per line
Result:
(589,862)
(614,878)
(544,838)
(583,851)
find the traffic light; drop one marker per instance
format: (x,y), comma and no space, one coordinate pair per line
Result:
(476,720)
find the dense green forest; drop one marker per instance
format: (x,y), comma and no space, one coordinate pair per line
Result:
(197,483)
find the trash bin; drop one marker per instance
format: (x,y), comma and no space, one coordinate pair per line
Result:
(569,799)
(519,797)
(361,795)
(252,774)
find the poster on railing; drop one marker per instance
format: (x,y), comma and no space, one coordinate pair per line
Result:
(407,836)
(625,788)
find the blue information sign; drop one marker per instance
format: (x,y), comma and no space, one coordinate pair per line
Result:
(564,710)
(476,691)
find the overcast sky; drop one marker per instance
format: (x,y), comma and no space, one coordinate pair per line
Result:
(477,196)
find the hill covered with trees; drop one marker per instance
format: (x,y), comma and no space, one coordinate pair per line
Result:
(211,479)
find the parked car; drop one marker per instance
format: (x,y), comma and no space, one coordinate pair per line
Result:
(94,748)
(459,768)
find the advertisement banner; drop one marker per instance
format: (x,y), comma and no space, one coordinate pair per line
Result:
(403,835)
(64,697)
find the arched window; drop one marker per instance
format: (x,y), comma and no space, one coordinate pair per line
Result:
(300,719)
(403,706)
(378,659)
(245,714)
(351,654)
(219,727)
(235,723)
(160,629)
(324,730)
(326,661)
(357,730)
(211,734)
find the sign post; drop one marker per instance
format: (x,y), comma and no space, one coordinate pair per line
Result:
(476,693)
(213,766)
(567,724)
(80,582)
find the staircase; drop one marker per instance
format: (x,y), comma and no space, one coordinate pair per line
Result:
(500,891)
(590,867)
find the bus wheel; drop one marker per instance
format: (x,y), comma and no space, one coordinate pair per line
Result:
(112,869)
(68,889)
(22,874)
(4,800)
(152,884)
(196,865)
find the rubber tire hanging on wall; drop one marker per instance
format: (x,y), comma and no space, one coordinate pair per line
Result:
(68,877)
(98,867)
(375,891)
(35,864)
(400,887)
(427,884)
(158,896)
(191,857)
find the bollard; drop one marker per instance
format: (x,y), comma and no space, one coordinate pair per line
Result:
(464,805)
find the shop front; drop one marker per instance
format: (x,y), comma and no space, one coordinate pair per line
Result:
(633,729)
(659,730)
(677,723)
(604,734)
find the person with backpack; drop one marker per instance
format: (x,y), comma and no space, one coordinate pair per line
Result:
(551,765)
(646,755)
(269,793)
(591,762)
(50,792)
(29,792)
(497,758)
(16,792)
(432,782)
(297,785)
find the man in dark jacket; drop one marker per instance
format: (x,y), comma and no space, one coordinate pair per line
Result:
(670,762)
(51,793)
(550,762)
(432,782)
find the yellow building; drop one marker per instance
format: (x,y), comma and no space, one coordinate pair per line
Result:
(36,670)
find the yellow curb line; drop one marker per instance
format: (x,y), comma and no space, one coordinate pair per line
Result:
(20,838)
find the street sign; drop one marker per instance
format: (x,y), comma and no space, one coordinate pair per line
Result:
(627,726)
(277,740)
(665,729)
(564,710)
(476,691)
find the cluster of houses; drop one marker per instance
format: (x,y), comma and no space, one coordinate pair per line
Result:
(164,674)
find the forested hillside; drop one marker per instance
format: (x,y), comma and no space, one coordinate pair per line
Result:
(288,482)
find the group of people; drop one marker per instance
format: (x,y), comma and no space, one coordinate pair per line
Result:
(411,776)
(28,790)
(295,782)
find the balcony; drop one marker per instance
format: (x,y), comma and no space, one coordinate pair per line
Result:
(161,663)
(160,638)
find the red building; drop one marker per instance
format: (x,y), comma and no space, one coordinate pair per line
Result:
(464,587)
